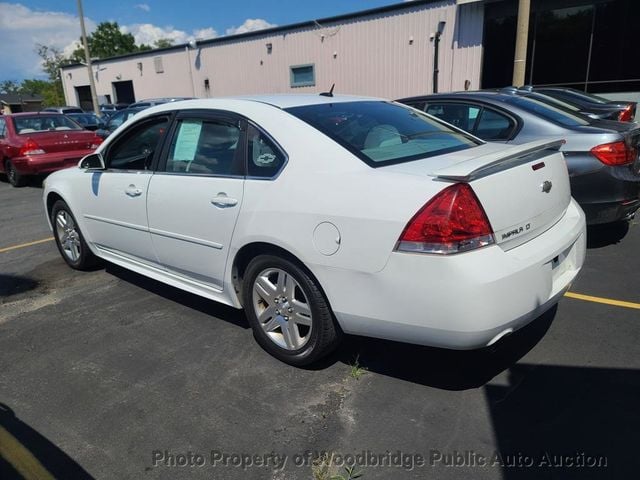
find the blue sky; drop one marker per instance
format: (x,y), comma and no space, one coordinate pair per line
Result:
(55,23)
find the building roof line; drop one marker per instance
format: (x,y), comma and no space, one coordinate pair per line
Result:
(406,5)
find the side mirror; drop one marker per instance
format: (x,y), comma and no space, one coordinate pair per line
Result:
(93,161)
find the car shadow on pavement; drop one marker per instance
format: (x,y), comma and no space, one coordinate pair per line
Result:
(26,454)
(13,285)
(564,422)
(599,236)
(442,368)
(189,300)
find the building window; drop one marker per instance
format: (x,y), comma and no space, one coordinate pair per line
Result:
(157,63)
(303,76)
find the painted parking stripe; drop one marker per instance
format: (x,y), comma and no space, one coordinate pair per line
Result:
(23,245)
(606,301)
(21,459)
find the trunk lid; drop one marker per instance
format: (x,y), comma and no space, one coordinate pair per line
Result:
(524,189)
(63,140)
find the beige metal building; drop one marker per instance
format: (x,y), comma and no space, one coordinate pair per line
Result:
(386,52)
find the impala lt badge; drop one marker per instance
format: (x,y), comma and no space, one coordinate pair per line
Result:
(546,186)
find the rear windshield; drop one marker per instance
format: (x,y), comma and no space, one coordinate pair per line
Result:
(578,94)
(555,115)
(383,133)
(44,123)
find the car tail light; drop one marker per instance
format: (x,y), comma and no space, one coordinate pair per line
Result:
(451,222)
(626,115)
(30,148)
(95,142)
(615,154)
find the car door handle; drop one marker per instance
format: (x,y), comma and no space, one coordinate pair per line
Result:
(133,191)
(223,201)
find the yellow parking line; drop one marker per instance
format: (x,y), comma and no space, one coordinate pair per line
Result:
(21,459)
(23,245)
(606,301)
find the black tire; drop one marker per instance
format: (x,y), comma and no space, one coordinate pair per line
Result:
(85,259)
(323,336)
(15,178)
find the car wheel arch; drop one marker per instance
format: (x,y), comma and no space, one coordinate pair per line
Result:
(252,250)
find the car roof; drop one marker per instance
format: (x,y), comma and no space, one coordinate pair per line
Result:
(276,100)
(27,114)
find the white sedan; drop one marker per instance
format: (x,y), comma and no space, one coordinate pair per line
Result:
(322,215)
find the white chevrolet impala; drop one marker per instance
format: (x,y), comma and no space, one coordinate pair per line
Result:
(321,215)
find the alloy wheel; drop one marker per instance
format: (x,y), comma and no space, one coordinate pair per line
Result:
(282,309)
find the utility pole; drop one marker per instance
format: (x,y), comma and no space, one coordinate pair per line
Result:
(522,34)
(87,56)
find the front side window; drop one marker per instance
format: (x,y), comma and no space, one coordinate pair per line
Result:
(3,128)
(383,133)
(44,123)
(135,148)
(206,147)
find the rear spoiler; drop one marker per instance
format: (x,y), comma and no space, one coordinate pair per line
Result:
(498,161)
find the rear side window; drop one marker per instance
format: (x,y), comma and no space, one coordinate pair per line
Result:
(3,128)
(383,133)
(265,158)
(494,126)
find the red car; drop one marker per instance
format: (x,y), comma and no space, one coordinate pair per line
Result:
(35,143)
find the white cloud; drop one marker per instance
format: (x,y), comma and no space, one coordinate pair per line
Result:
(21,28)
(250,25)
(148,34)
(205,33)
(143,6)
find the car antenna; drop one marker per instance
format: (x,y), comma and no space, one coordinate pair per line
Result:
(329,93)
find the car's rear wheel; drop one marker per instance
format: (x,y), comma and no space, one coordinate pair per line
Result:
(15,178)
(69,238)
(288,312)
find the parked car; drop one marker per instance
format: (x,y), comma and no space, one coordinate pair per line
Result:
(326,215)
(150,102)
(109,109)
(65,109)
(35,143)
(589,104)
(88,121)
(117,119)
(602,156)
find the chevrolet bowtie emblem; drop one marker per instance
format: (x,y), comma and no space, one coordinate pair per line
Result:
(546,186)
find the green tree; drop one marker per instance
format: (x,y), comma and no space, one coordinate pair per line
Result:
(9,86)
(52,60)
(163,43)
(107,41)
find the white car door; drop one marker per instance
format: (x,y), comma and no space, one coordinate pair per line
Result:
(195,195)
(114,206)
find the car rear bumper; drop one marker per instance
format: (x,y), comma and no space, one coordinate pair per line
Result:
(462,301)
(606,194)
(48,162)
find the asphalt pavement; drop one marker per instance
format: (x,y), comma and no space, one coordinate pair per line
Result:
(107,374)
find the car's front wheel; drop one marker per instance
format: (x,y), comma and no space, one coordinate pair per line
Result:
(14,177)
(288,312)
(69,238)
